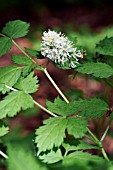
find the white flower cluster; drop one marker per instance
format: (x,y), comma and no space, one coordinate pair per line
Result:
(58,48)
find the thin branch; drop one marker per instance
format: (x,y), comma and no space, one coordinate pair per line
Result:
(55,85)
(103,136)
(23,51)
(40,106)
(108,82)
(3,154)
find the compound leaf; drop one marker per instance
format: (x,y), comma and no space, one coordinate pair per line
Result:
(3,130)
(5,45)
(81,156)
(60,107)
(101,70)
(77,126)
(8,76)
(93,108)
(16,29)
(105,46)
(51,134)
(14,102)
(52,157)
(23,60)
(28,84)
(19,158)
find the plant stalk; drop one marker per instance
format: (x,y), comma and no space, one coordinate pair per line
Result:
(36,103)
(55,85)
(3,154)
(104,154)
(108,82)
(99,143)
(23,51)
(103,136)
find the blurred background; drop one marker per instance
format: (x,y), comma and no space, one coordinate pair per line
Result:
(89,21)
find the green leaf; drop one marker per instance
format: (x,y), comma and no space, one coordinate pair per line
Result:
(23,60)
(51,134)
(111,116)
(81,156)
(77,127)
(9,76)
(60,107)
(28,84)
(33,53)
(16,29)
(3,130)
(19,158)
(27,69)
(52,157)
(99,69)
(93,108)
(5,45)
(71,145)
(13,103)
(105,46)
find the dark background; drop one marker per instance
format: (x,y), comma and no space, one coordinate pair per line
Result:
(49,13)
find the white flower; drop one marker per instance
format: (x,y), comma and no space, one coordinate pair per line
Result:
(58,48)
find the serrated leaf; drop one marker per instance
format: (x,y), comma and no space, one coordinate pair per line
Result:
(13,103)
(33,53)
(93,108)
(27,69)
(51,134)
(5,45)
(19,158)
(23,60)
(28,84)
(77,127)
(3,130)
(60,107)
(82,156)
(77,145)
(105,46)
(99,69)
(9,76)
(16,29)
(52,157)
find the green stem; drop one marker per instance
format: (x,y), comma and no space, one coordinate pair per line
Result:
(22,51)
(66,152)
(99,143)
(108,82)
(43,108)
(90,138)
(3,154)
(104,154)
(2,35)
(55,85)
(103,136)
(36,103)
(93,136)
